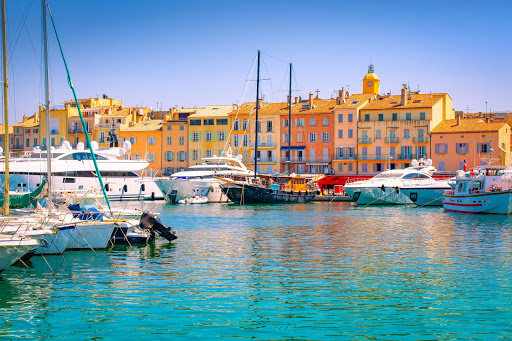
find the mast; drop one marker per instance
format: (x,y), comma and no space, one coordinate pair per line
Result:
(257,108)
(290,124)
(6,111)
(47,108)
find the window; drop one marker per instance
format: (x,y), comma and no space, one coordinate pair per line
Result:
(195,136)
(269,126)
(286,138)
(442,148)
(305,106)
(312,137)
(236,140)
(364,167)
(35,131)
(350,117)
(133,140)
(169,140)
(378,134)
(35,141)
(169,128)
(300,122)
(222,136)
(312,122)
(183,156)
(299,137)
(245,125)
(209,153)
(326,121)
(340,133)
(245,141)
(350,134)
(27,131)
(440,167)
(340,118)
(285,122)
(381,117)
(484,147)
(209,136)
(406,152)
(170,156)
(422,152)
(151,157)
(367,117)
(406,134)
(395,117)
(422,115)
(209,122)
(408,116)
(195,122)
(27,143)
(182,128)
(350,167)
(195,155)
(182,140)
(326,137)
(258,126)
(222,121)
(340,167)
(137,156)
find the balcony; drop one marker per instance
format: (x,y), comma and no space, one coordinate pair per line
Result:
(16,147)
(306,159)
(54,132)
(264,160)
(344,157)
(420,139)
(364,140)
(392,139)
(264,144)
(75,131)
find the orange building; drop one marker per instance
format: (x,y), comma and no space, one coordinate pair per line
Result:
(311,142)
(146,141)
(474,140)
(175,140)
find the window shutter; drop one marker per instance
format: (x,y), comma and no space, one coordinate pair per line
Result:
(191,136)
(446,148)
(416,151)
(309,137)
(232,140)
(216,136)
(437,148)
(479,149)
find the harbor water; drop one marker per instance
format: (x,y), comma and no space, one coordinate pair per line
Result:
(312,271)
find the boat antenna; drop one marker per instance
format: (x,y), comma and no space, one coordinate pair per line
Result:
(6,111)
(47,108)
(290,124)
(257,109)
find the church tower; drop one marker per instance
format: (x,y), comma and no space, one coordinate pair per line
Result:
(371,82)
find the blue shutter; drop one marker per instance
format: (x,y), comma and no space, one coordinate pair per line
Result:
(437,148)
(446,148)
(416,152)
(478,148)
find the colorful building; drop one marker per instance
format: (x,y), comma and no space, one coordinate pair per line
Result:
(269,138)
(26,134)
(208,131)
(311,142)
(146,140)
(470,140)
(175,136)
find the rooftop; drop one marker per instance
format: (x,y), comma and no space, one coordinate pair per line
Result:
(393,102)
(152,125)
(212,111)
(467,125)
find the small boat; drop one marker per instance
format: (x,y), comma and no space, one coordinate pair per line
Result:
(13,248)
(196,200)
(486,189)
(428,194)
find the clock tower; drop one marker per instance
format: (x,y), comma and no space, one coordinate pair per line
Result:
(371,82)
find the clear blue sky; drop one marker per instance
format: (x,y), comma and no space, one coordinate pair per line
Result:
(194,53)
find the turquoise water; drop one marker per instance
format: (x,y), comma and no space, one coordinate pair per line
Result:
(314,271)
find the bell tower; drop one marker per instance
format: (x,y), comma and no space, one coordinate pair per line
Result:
(371,82)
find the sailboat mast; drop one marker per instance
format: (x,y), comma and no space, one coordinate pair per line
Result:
(47,107)
(290,124)
(256,125)
(6,111)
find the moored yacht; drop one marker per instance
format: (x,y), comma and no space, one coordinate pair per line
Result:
(73,169)
(385,188)
(426,194)
(486,189)
(201,180)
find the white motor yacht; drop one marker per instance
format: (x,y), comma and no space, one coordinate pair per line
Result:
(200,179)
(73,169)
(385,188)
(427,194)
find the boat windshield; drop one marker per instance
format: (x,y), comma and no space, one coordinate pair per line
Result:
(207,169)
(387,175)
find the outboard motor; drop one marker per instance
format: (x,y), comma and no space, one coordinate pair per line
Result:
(152,222)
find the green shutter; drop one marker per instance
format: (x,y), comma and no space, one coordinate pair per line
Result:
(216,136)
(191,136)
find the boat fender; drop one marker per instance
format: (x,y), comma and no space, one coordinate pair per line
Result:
(211,189)
(318,192)
(397,190)
(383,188)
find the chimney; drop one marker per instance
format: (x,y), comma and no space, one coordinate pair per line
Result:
(24,118)
(235,107)
(310,100)
(458,119)
(403,100)
(36,117)
(288,100)
(260,103)
(296,100)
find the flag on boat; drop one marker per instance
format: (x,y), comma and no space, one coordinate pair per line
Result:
(465,165)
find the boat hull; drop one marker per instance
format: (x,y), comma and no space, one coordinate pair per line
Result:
(486,202)
(58,242)
(91,235)
(377,196)
(425,196)
(11,250)
(184,189)
(249,194)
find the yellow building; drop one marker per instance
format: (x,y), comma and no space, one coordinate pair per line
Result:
(208,131)
(269,138)
(239,135)
(473,140)
(26,133)
(2,137)
(115,120)
(146,140)
(371,83)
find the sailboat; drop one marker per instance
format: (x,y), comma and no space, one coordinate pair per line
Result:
(261,189)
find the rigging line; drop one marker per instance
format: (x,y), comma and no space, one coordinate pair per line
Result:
(19,29)
(30,39)
(268,76)
(266,54)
